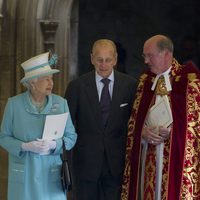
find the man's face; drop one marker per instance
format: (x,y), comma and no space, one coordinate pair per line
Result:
(104,59)
(154,58)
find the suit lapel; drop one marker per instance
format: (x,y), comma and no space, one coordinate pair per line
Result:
(93,98)
(116,98)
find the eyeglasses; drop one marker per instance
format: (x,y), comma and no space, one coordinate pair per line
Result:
(150,56)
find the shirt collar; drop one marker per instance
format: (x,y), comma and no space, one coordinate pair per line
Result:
(99,78)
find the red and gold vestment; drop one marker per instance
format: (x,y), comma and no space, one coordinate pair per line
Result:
(181,158)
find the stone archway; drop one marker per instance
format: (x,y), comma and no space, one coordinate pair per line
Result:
(21,37)
(31,40)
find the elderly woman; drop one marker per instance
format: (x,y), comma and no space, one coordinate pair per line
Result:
(34,163)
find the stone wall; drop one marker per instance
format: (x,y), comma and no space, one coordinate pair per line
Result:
(21,37)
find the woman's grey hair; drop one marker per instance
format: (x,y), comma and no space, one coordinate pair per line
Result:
(27,84)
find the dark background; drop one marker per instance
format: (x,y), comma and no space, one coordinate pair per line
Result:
(130,22)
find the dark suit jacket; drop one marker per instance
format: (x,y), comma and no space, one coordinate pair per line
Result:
(93,141)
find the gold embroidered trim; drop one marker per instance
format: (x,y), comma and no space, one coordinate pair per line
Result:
(161,88)
(190,188)
(130,138)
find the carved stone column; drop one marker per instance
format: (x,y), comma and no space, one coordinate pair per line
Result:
(49,28)
(1,16)
(1,23)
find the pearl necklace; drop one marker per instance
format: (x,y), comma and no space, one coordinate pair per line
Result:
(39,105)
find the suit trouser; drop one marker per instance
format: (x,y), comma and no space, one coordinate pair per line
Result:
(106,187)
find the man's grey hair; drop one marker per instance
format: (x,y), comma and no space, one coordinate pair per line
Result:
(165,43)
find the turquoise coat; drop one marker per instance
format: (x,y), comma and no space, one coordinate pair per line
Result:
(33,176)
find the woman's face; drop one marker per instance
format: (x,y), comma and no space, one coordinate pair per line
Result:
(43,86)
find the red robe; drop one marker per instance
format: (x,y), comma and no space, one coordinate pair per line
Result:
(181,158)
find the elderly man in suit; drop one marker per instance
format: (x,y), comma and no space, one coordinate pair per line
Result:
(100,104)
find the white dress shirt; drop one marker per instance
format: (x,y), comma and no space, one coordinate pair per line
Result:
(100,85)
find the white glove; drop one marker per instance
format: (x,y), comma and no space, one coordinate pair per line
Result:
(35,146)
(49,144)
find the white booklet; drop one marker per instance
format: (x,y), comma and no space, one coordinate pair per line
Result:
(160,114)
(54,126)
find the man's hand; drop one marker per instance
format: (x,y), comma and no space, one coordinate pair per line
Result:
(154,135)
(164,132)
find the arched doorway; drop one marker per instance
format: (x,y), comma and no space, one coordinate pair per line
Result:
(21,37)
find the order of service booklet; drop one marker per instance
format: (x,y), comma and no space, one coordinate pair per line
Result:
(54,126)
(160,114)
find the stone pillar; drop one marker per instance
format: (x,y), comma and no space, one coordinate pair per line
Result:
(49,28)
(1,17)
